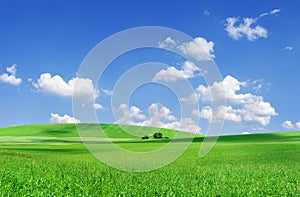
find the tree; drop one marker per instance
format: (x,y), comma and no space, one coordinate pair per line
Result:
(157,135)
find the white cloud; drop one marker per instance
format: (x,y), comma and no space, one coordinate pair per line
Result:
(239,115)
(230,86)
(11,77)
(127,116)
(189,125)
(136,113)
(167,43)
(298,125)
(192,99)
(55,118)
(159,116)
(122,115)
(275,11)
(12,70)
(160,113)
(246,133)
(98,106)
(245,28)
(206,13)
(258,85)
(289,48)
(205,113)
(288,124)
(220,113)
(57,86)
(241,107)
(199,48)
(189,70)
(258,111)
(107,92)
(231,114)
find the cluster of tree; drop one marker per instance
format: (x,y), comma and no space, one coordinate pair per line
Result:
(157,135)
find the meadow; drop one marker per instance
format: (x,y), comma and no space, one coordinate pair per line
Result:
(50,160)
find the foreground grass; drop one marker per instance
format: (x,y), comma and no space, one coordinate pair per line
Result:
(252,165)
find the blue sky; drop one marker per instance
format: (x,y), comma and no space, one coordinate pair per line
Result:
(254,43)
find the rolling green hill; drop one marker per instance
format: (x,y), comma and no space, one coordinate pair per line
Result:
(51,160)
(69,130)
(58,139)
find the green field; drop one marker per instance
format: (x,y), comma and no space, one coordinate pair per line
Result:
(50,160)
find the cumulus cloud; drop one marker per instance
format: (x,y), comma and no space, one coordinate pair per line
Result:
(298,125)
(221,112)
(159,116)
(288,48)
(98,106)
(231,114)
(192,99)
(55,85)
(167,43)
(199,48)
(171,74)
(205,113)
(238,115)
(241,107)
(10,76)
(289,125)
(10,79)
(107,92)
(230,86)
(57,119)
(245,28)
(12,70)
(136,113)
(128,116)
(159,112)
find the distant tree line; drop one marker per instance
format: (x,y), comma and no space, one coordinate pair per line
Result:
(156,135)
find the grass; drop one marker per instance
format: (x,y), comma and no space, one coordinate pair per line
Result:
(50,160)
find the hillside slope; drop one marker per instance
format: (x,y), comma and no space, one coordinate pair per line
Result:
(70,130)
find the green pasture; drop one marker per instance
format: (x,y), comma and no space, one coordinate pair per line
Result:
(50,160)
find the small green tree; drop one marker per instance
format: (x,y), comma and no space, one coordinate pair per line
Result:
(157,135)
